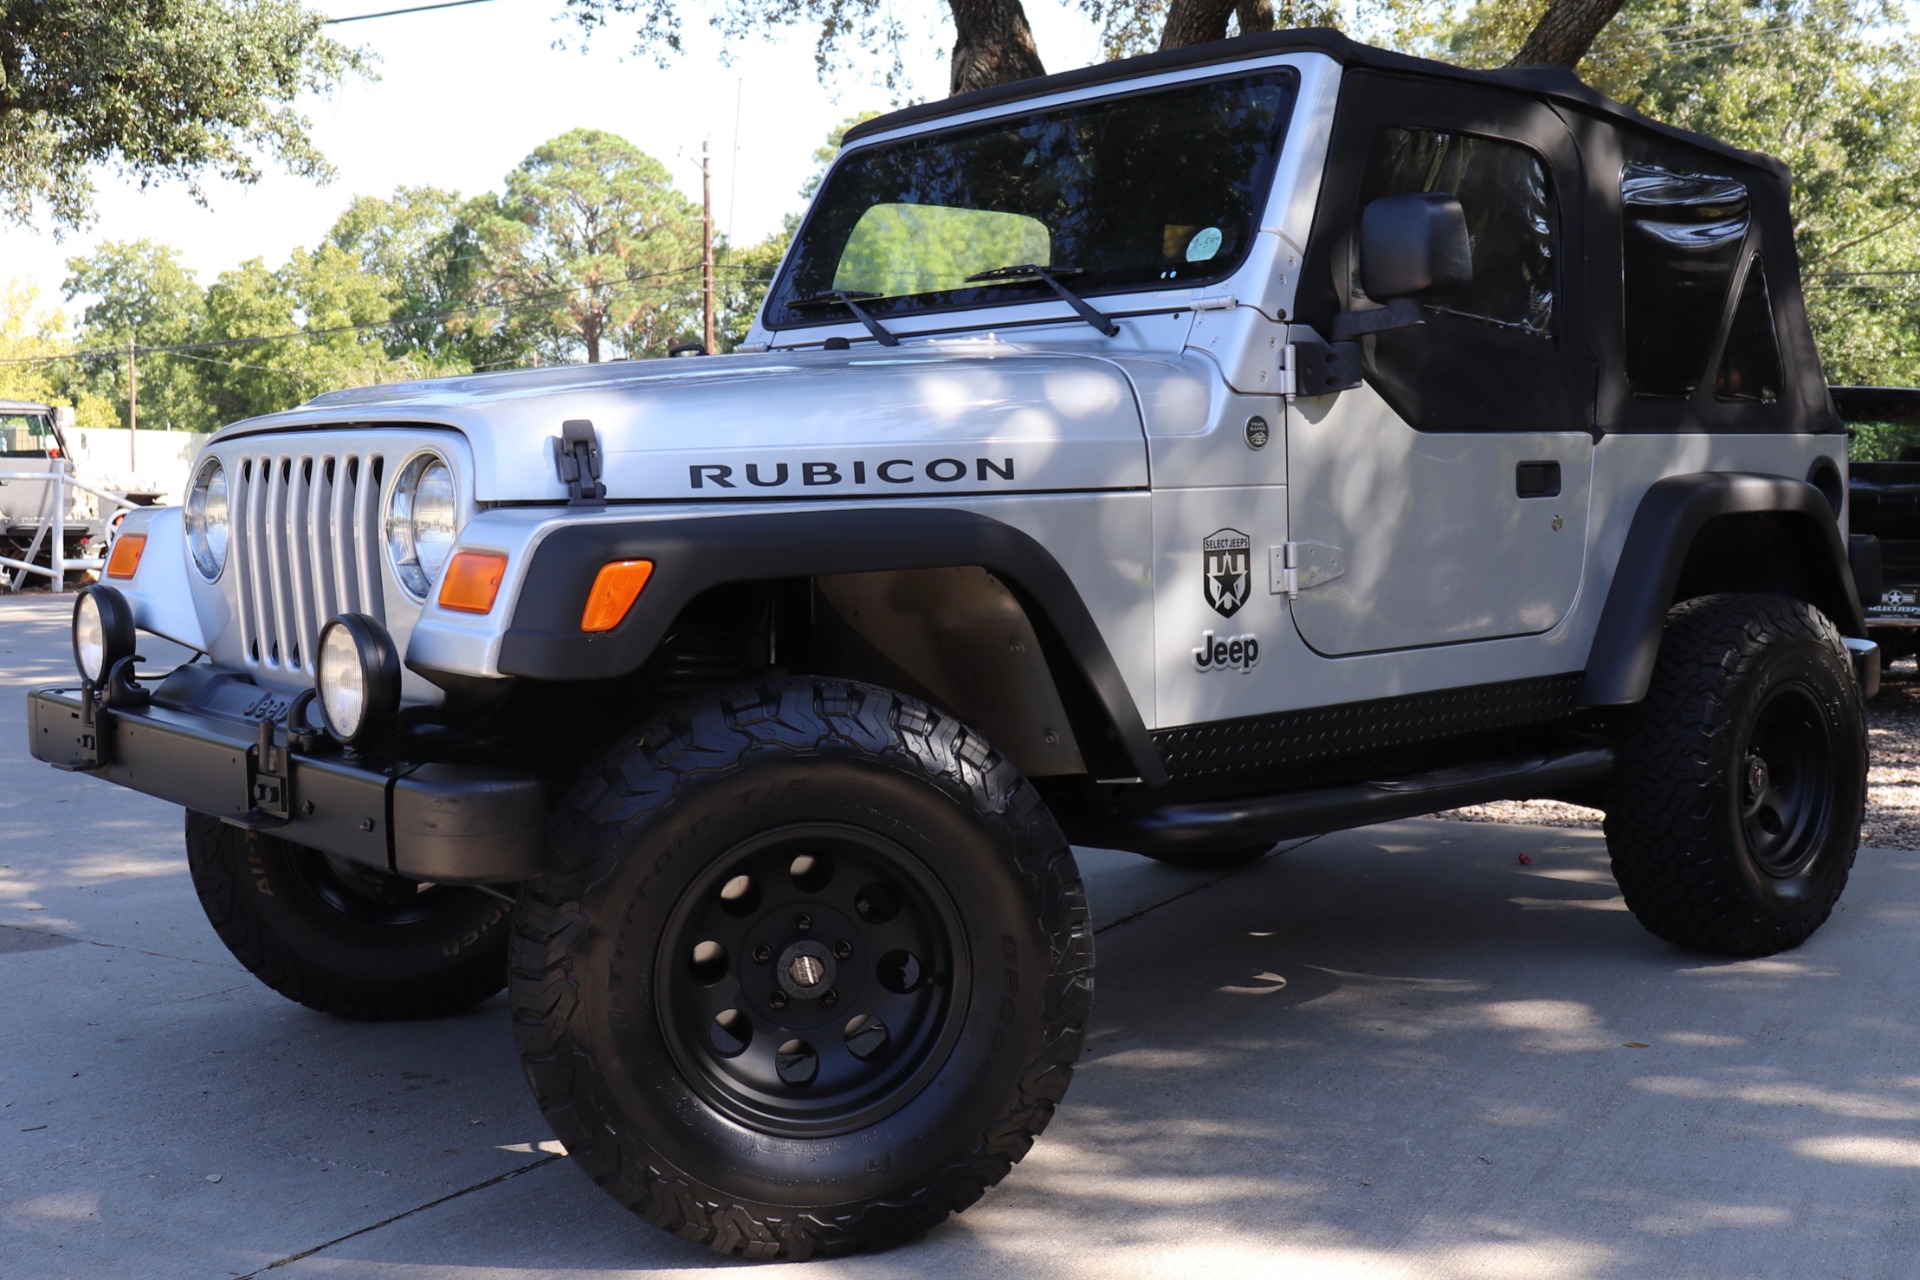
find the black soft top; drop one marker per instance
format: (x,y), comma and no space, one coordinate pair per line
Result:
(1555,84)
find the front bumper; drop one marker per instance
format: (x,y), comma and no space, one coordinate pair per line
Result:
(211,741)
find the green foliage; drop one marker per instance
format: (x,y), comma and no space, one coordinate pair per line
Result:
(143,294)
(591,248)
(161,88)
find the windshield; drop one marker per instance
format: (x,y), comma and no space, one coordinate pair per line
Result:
(1157,189)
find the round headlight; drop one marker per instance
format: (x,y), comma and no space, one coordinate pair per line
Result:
(102,632)
(357,677)
(422,522)
(206,519)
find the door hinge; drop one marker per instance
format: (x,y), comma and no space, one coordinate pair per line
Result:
(576,456)
(1293,567)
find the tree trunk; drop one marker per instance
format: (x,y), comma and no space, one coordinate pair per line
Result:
(1198,21)
(1565,32)
(994,45)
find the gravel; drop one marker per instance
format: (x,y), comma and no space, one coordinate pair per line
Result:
(1893,777)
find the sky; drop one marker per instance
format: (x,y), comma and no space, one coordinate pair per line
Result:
(465,94)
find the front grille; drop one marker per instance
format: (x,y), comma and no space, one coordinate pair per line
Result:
(305,529)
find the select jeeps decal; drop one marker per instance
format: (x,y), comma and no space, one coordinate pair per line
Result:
(1229,572)
(845,474)
(1226,653)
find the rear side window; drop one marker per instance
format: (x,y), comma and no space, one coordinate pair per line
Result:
(1750,363)
(1507,196)
(1685,242)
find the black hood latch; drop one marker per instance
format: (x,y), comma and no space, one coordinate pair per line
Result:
(576,455)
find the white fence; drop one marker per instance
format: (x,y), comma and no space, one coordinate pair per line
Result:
(58,483)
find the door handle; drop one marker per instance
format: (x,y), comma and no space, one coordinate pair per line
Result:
(1537,480)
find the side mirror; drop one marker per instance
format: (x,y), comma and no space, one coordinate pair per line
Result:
(1414,244)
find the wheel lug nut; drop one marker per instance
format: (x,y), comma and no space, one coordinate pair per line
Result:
(777,1000)
(829,998)
(762,954)
(841,950)
(803,922)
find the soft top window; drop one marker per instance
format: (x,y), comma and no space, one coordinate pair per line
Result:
(1508,198)
(1160,188)
(1684,234)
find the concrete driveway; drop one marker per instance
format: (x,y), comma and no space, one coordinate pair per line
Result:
(1400,1051)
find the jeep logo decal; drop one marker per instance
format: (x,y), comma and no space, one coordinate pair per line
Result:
(1229,576)
(860,471)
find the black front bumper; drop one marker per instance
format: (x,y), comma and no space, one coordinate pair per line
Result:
(199,743)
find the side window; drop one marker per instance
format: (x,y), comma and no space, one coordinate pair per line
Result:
(1750,363)
(1507,195)
(1684,236)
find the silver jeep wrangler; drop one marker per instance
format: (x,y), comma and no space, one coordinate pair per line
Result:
(1177,455)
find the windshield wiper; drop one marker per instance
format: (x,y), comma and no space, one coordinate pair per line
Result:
(847,298)
(1050,277)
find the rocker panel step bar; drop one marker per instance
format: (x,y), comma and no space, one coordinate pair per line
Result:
(1197,826)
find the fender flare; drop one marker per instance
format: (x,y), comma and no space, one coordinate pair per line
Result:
(693,554)
(1670,515)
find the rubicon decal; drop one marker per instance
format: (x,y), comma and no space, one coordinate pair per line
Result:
(1228,565)
(1226,653)
(854,473)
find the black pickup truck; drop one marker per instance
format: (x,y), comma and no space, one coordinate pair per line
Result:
(1885,502)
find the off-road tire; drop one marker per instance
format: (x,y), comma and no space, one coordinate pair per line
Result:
(674,803)
(1693,868)
(309,928)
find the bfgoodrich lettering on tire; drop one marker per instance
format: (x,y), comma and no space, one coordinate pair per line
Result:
(809,972)
(1735,813)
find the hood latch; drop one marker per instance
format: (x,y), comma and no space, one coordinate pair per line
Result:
(576,455)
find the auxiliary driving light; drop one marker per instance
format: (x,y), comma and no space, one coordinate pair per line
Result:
(358,678)
(102,632)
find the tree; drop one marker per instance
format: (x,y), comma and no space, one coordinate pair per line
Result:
(414,244)
(142,294)
(161,88)
(994,44)
(590,249)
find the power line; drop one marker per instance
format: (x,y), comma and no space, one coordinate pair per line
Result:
(394,13)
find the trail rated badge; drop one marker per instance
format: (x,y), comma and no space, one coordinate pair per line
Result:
(1229,576)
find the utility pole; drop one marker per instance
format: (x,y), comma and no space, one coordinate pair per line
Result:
(706,245)
(133,404)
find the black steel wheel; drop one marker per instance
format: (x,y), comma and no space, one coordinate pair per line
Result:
(807,980)
(343,938)
(809,972)
(1734,815)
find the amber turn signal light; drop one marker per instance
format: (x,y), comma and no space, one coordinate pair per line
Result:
(472,582)
(125,560)
(615,588)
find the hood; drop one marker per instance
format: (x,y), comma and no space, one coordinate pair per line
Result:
(939,418)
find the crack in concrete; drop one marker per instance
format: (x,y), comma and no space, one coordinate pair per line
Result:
(1188,892)
(387,1222)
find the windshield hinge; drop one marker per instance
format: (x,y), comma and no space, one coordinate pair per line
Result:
(1226,303)
(576,456)
(1293,567)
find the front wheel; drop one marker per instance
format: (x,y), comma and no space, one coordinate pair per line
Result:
(1735,813)
(343,938)
(809,972)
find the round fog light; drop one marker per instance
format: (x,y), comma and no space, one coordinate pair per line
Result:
(357,678)
(102,632)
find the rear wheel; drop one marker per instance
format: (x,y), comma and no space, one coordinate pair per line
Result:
(1735,813)
(343,938)
(809,972)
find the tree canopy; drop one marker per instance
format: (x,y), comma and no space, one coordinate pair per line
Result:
(157,88)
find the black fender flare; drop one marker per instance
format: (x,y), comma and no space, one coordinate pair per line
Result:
(1670,515)
(694,553)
